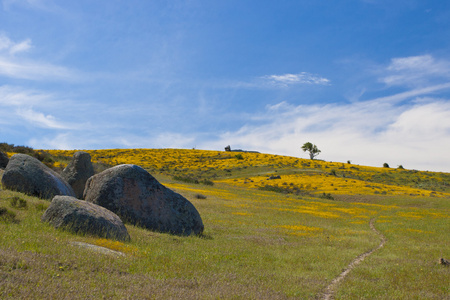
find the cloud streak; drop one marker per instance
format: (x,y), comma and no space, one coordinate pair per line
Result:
(416,71)
(14,66)
(28,106)
(7,45)
(286,80)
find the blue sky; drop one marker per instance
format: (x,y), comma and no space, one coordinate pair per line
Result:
(364,80)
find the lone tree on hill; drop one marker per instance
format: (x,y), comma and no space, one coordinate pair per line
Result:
(312,149)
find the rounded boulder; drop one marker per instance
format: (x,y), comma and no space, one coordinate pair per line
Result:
(28,175)
(138,198)
(83,217)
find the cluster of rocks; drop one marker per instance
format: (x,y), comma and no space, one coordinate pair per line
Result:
(125,192)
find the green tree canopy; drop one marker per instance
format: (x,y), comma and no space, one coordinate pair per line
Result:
(312,149)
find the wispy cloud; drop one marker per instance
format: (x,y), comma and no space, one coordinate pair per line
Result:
(416,71)
(24,69)
(7,45)
(17,96)
(33,108)
(278,81)
(40,119)
(285,80)
(15,66)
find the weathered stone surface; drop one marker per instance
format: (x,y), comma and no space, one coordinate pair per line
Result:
(28,175)
(3,160)
(138,198)
(83,217)
(78,171)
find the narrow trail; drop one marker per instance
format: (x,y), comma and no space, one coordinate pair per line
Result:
(329,291)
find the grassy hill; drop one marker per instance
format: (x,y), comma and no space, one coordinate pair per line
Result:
(276,227)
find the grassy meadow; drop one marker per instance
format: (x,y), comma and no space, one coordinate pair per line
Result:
(276,227)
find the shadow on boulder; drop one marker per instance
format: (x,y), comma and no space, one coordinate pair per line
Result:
(3,160)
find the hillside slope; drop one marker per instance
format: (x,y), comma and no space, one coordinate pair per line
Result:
(278,242)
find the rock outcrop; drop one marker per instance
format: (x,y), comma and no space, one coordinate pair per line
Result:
(85,218)
(28,175)
(138,198)
(78,172)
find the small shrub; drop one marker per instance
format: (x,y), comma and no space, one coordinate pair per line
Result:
(207,182)
(276,189)
(333,172)
(186,179)
(200,196)
(239,156)
(400,167)
(385,165)
(7,216)
(326,196)
(18,202)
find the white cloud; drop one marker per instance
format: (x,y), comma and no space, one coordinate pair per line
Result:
(40,119)
(20,47)
(7,45)
(62,141)
(22,106)
(16,96)
(292,79)
(11,65)
(416,71)
(368,133)
(173,140)
(24,69)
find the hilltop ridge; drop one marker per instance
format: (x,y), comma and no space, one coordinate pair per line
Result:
(251,169)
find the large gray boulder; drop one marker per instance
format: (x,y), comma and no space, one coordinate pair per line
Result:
(78,171)
(83,217)
(28,175)
(3,160)
(138,198)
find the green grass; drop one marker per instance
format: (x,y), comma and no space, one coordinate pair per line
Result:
(256,245)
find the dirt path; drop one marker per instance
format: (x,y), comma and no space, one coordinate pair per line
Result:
(329,291)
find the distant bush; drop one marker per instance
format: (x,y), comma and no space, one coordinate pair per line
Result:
(207,182)
(189,179)
(200,196)
(385,165)
(186,179)
(40,155)
(275,189)
(400,167)
(239,156)
(18,202)
(284,190)
(326,196)
(7,216)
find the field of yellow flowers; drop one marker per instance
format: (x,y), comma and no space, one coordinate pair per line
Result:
(276,227)
(254,170)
